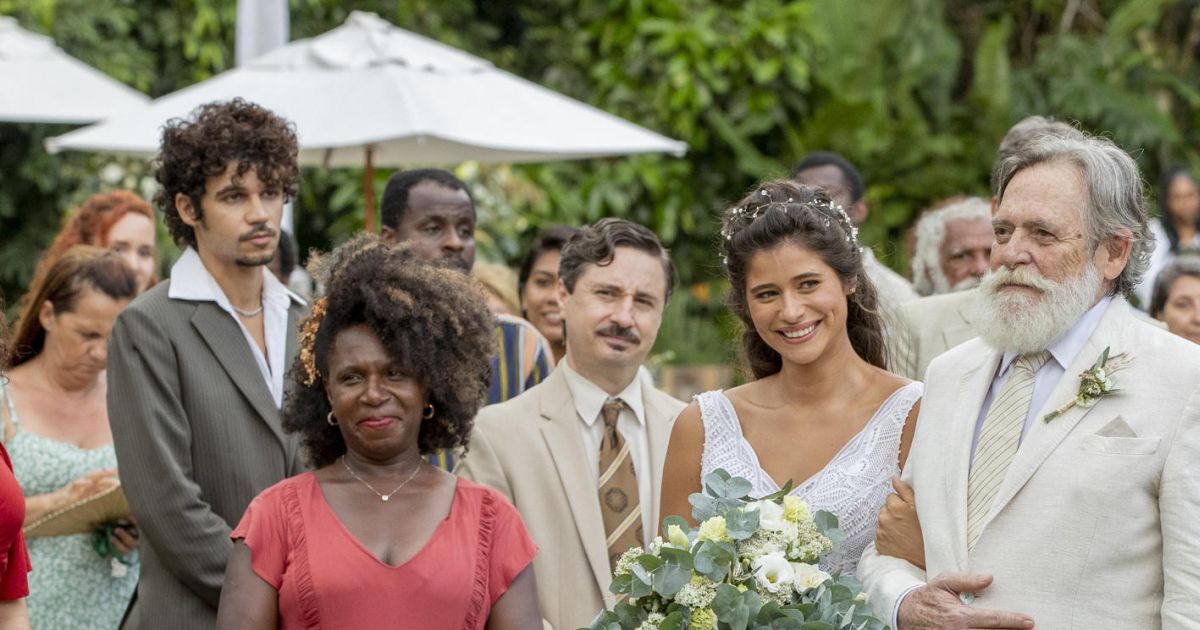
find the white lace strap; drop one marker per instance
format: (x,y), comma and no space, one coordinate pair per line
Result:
(720,421)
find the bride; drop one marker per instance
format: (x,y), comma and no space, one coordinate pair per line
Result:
(821,411)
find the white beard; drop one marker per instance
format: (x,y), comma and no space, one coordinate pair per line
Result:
(1022,323)
(941,284)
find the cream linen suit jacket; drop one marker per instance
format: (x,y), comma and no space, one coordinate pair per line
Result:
(531,449)
(927,327)
(1095,523)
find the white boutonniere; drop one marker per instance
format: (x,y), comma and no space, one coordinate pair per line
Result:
(1094,383)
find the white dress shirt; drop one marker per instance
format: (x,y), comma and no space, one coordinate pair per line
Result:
(1062,353)
(631,424)
(191,281)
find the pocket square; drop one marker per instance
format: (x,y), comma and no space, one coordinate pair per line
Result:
(1117,428)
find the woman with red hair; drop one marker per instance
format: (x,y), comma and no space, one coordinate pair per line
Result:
(119,220)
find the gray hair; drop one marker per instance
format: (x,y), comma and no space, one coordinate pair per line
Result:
(1116,196)
(927,275)
(1023,134)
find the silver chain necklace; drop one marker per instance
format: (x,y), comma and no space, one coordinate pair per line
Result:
(247,313)
(382,497)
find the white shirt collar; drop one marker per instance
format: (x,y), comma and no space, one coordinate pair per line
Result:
(589,398)
(191,281)
(1065,349)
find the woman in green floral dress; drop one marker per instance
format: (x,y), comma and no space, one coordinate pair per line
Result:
(55,426)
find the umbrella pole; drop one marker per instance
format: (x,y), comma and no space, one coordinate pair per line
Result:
(369,192)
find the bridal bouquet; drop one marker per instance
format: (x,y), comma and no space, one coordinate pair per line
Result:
(750,565)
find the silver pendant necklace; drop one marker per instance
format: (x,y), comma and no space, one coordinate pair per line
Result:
(382,497)
(247,313)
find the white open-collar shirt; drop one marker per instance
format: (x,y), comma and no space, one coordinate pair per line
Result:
(631,424)
(191,281)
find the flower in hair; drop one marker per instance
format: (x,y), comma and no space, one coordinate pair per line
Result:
(308,338)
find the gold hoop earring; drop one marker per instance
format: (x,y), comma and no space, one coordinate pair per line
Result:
(330,420)
(429,411)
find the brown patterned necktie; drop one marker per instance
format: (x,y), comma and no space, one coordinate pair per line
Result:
(618,487)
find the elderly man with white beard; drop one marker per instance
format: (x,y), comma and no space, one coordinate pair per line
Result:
(1051,462)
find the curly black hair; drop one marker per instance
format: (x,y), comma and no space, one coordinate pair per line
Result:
(432,319)
(784,211)
(203,145)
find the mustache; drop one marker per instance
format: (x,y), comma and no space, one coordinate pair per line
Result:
(257,232)
(620,332)
(1025,276)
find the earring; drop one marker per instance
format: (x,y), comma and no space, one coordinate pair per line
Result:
(429,411)
(331,420)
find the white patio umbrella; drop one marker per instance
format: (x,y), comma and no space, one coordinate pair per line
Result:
(368,93)
(40,83)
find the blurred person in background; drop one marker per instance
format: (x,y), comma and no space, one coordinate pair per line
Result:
(286,266)
(1177,228)
(118,220)
(393,365)
(14,559)
(844,184)
(56,428)
(500,283)
(432,210)
(537,284)
(1176,298)
(953,246)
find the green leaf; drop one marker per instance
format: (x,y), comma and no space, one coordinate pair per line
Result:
(741,524)
(675,571)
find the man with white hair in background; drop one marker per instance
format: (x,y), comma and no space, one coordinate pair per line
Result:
(1052,463)
(952,247)
(926,327)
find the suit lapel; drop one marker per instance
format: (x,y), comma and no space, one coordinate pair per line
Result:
(1043,437)
(561,433)
(658,433)
(973,388)
(228,344)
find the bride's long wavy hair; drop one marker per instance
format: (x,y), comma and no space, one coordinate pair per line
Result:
(783,211)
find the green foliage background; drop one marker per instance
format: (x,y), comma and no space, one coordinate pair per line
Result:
(915,92)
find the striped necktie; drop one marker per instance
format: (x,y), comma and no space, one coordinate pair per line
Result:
(998,441)
(618,487)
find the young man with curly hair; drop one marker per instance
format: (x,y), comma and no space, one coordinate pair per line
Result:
(196,365)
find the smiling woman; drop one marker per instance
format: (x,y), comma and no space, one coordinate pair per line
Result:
(394,364)
(821,416)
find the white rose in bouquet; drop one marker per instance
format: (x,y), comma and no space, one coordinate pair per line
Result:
(807,576)
(770,514)
(773,572)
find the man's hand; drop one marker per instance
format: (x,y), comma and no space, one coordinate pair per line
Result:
(898,531)
(936,606)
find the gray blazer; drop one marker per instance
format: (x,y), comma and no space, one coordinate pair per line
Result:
(197,437)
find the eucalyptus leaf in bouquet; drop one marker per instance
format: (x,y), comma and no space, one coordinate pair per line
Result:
(751,564)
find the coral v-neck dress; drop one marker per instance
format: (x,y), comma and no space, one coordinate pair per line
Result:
(327,579)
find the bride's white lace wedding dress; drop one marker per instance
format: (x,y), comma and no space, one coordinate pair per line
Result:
(852,486)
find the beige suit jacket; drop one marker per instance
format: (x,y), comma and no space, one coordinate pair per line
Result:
(927,327)
(531,449)
(1094,525)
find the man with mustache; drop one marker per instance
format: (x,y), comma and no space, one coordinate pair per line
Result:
(581,454)
(926,327)
(1053,460)
(196,364)
(432,211)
